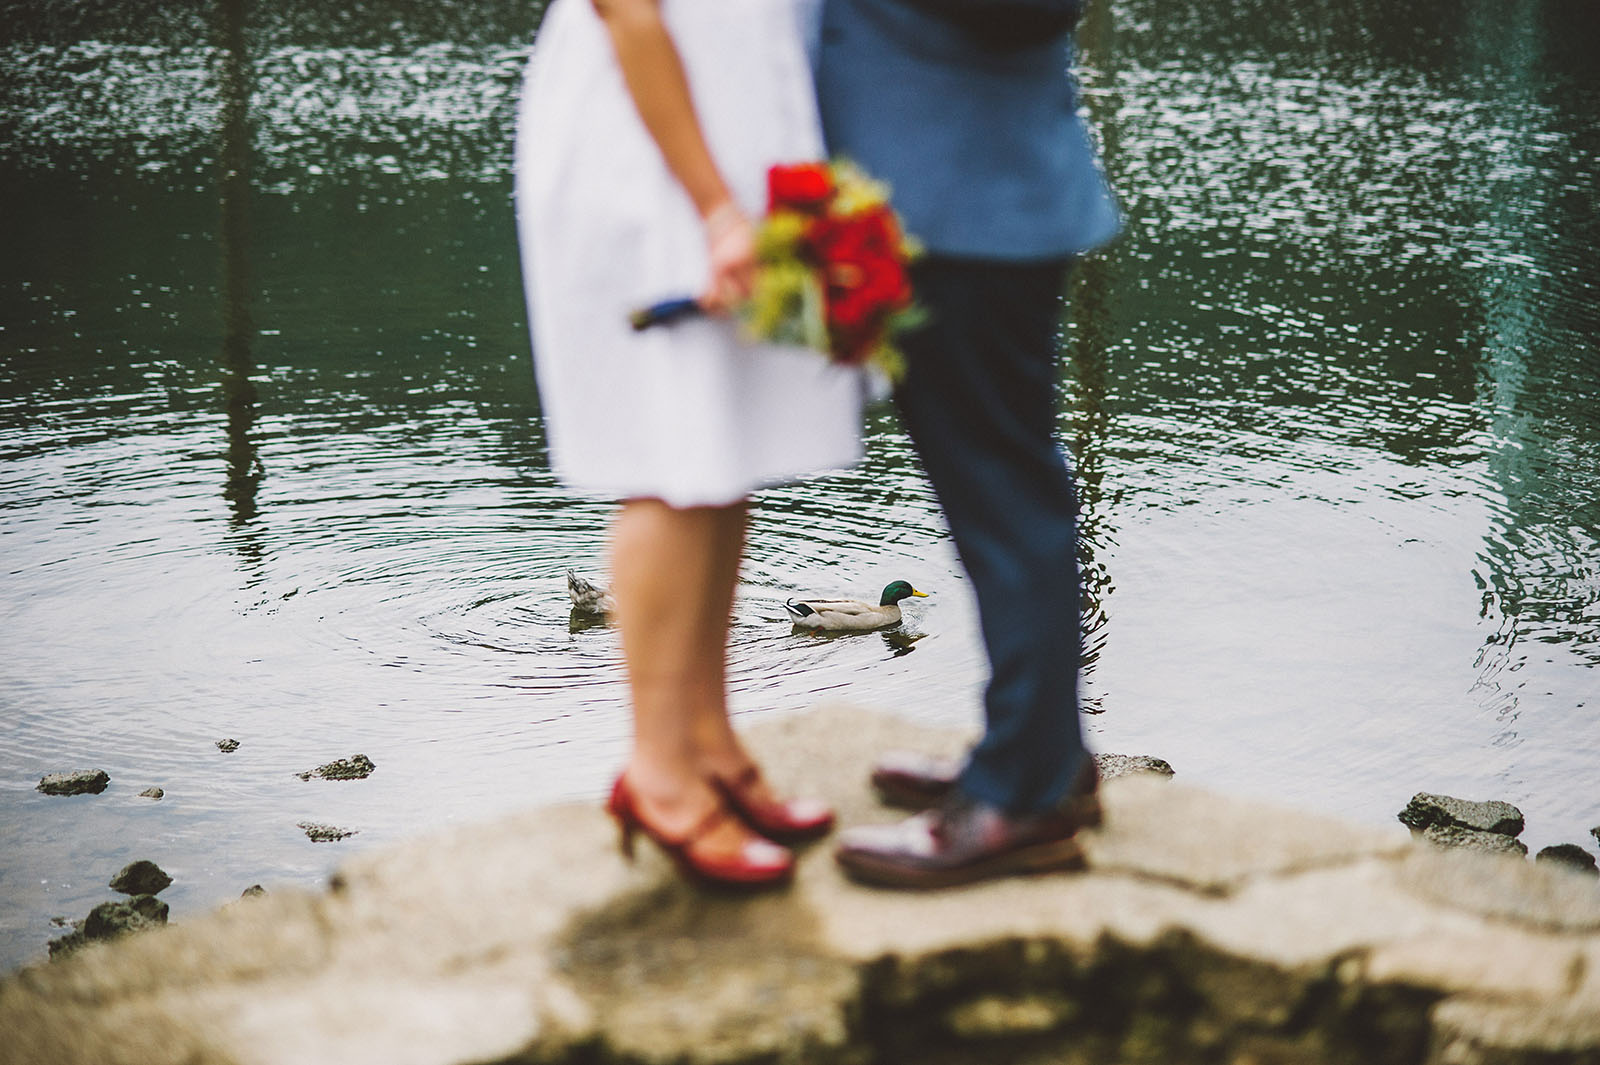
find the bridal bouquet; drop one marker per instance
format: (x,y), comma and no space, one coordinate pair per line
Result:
(832,268)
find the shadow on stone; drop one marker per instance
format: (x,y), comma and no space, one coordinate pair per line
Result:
(738,978)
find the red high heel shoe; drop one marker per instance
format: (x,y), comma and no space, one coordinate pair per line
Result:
(758,863)
(786,821)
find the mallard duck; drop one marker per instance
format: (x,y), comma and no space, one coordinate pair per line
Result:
(851,615)
(588,597)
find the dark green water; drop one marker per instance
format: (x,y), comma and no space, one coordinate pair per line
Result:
(271,464)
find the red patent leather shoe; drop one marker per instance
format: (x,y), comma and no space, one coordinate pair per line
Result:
(758,862)
(786,821)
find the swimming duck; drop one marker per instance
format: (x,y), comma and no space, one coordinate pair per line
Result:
(588,597)
(851,615)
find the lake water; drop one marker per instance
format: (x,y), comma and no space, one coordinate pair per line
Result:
(273,467)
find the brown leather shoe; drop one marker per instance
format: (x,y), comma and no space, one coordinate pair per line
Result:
(959,842)
(913,781)
(962,840)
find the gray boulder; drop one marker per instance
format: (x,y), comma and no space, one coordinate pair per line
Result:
(320,833)
(79,782)
(141,878)
(112,920)
(1120,765)
(1569,855)
(358,767)
(1425,811)
(1472,839)
(151,793)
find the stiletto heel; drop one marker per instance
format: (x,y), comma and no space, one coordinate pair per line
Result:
(758,863)
(791,821)
(621,811)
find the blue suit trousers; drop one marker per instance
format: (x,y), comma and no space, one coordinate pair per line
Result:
(979,403)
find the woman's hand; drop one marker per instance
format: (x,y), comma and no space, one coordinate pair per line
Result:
(731,243)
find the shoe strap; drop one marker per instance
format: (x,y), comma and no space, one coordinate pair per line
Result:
(746,779)
(707,825)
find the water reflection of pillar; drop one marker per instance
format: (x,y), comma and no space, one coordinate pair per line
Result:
(1508,45)
(1097,63)
(1087,360)
(233,189)
(1090,303)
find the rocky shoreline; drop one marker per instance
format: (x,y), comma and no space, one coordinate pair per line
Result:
(1490,826)
(1208,929)
(143,880)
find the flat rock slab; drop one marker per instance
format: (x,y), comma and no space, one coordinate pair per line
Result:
(1425,810)
(1209,929)
(77,782)
(317,832)
(1215,844)
(358,767)
(1525,893)
(1474,840)
(1112,766)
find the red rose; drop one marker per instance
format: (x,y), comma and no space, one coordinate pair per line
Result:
(803,186)
(865,278)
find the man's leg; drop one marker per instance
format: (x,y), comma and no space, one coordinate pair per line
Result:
(979,402)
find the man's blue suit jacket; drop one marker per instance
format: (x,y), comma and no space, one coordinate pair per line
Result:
(982,145)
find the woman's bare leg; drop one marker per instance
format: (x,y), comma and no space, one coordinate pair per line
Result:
(674,572)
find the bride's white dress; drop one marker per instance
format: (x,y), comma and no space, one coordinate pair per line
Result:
(689,413)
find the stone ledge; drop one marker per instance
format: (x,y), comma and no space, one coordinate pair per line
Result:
(1210,929)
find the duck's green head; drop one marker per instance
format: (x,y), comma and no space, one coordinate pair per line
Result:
(899,590)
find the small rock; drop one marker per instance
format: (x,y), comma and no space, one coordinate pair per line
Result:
(1473,839)
(141,878)
(324,833)
(1570,855)
(227,746)
(1595,832)
(1426,810)
(252,891)
(358,767)
(110,920)
(61,946)
(80,782)
(151,793)
(1120,765)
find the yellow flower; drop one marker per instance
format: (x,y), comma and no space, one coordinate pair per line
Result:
(779,236)
(856,192)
